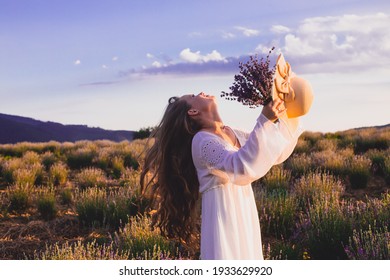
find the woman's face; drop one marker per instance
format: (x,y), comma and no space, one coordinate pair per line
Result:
(201,102)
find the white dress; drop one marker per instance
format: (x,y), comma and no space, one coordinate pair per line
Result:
(230,226)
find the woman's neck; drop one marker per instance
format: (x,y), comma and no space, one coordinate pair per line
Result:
(226,133)
(213,123)
(215,127)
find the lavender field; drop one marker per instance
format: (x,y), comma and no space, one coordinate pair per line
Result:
(329,200)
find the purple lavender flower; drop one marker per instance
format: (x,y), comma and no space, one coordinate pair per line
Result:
(253,86)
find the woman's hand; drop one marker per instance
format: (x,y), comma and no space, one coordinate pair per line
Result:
(274,110)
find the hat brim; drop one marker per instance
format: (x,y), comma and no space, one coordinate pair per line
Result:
(297,92)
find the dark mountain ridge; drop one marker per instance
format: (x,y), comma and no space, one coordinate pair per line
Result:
(14,129)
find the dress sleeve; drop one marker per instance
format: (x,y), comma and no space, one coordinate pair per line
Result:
(241,135)
(263,148)
(292,137)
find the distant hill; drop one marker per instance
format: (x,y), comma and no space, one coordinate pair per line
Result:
(385,126)
(15,129)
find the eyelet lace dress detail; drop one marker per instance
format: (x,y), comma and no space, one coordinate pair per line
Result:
(212,152)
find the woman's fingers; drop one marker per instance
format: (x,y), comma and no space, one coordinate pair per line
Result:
(279,107)
(274,109)
(277,103)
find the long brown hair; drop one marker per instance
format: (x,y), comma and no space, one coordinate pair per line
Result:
(169,176)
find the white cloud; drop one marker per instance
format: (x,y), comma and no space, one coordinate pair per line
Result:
(346,44)
(195,34)
(316,45)
(279,29)
(228,35)
(247,31)
(347,23)
(296,45)
(115,58)
(196,57)
(265,49)
(104,66)
(77,62)
(149,55)
(156,64)
(337,43)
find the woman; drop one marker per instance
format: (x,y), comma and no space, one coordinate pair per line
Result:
(194,152)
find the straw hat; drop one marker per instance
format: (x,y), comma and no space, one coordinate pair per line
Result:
(295,91)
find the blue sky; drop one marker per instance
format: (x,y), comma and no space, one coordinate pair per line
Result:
(114,64)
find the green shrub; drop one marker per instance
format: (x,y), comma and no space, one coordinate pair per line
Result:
(278,211)
(121,206)
(48,159)
(19,197)
(325,144)
(386,170)
(80,251)
(142,243)
(312,137)
(303,146)
(97,208)
(102,159)
(81,158)
(9,167)
(143,133)
(358,171)
(331,161)
(130,178)
(328,226)
(2,162)
(29,175)
(53,147)
(66,196)
(130,162)
(138,203)
(117,166)
(283,250)
(26,170)
(377,161)
(375,212)
(277,179)
(91,177)
(66,149)
(46,204)
(91,207)
(326,229)
(31,158)
(7,150)
(110,161)
(58,174)
(317,186)
(299,164)
(363,144)
(369,245)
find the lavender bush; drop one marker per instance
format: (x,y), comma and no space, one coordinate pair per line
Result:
(369,245)
(277,212)
(308,207)
(79,251)
(145,243)
(325,228)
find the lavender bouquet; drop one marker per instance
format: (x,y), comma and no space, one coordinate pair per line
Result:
(253,86)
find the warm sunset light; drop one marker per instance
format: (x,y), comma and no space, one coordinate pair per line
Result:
(163,139)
